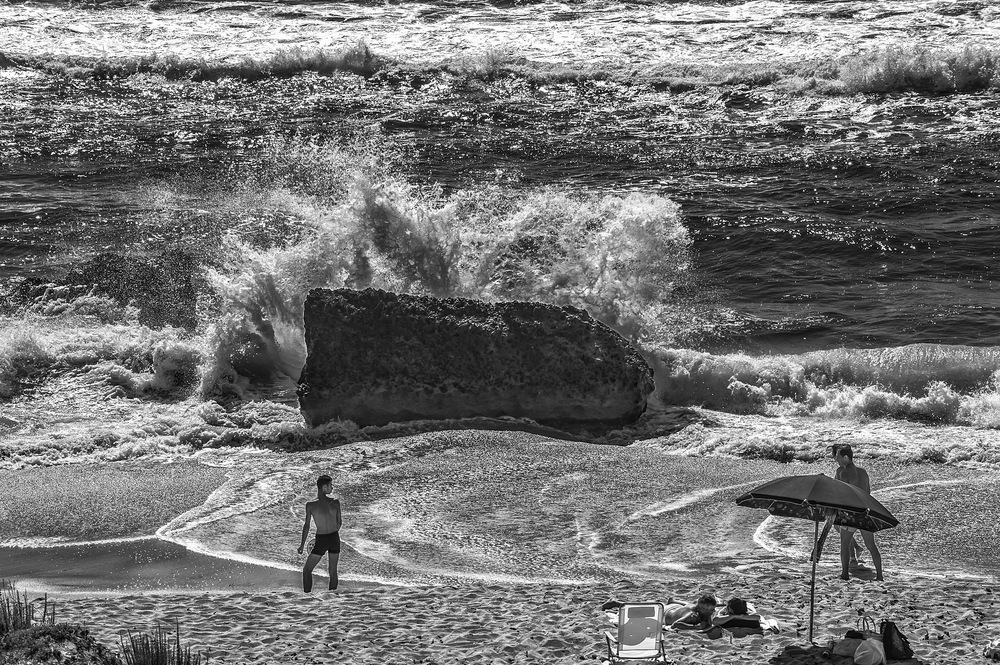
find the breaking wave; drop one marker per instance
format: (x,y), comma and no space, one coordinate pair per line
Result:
(964,68)
(310,215)
(355,58)
(921,382)
(358,225)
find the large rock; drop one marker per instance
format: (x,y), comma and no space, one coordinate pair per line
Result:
(377,357)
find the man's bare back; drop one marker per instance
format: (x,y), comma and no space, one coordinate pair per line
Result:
(325,513)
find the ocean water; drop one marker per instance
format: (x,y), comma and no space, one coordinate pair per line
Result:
(791,207)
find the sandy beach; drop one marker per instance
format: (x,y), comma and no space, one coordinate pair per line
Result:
(947,621)
(494,547)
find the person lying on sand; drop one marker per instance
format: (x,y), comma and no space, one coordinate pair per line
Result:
(326,513)
(692,617)
(741,619)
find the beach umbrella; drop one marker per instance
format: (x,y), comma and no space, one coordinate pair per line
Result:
(818,497)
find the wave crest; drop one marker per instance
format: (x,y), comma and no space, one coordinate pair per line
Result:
(355,58)
(924,382)
(969,67)
(901,69)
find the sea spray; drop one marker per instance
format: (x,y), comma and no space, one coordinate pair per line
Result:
(619,257)
(914,68)
(21,353)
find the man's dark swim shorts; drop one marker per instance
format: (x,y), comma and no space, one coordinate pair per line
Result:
(327,542)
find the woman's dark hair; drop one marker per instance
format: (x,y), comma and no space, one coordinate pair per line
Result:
(736,606)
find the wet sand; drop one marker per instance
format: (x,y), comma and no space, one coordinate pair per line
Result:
(134,567)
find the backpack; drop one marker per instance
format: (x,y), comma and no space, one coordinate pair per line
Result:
(897,647)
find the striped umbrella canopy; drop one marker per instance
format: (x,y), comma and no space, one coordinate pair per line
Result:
(818,497)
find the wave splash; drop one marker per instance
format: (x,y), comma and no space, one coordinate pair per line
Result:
(308,215)
(354,223)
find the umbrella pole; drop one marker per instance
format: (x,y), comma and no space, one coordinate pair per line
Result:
(812,589)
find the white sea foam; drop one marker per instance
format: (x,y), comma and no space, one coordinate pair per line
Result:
(764,536)
(589,539)
(240,495)
(683,501)
(46,543)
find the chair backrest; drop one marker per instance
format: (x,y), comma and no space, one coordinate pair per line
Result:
(639,627)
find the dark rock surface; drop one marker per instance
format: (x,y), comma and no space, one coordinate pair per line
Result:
(376,357)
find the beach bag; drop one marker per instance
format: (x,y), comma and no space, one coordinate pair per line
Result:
(896,646)
(870,653)
(866,630)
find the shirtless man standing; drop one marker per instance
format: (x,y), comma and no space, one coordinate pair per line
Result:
(855,475)
(326,512)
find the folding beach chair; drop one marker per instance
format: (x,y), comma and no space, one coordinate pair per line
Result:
(640,628)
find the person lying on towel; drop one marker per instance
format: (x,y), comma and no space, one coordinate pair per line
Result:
(741,619)
(693,617)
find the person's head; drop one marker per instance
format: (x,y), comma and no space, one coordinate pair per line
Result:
(844,455)
(324,484)
(736,606)
(706,604)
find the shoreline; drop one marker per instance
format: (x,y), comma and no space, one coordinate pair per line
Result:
(146,566)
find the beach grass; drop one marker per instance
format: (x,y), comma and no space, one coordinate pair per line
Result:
(161,648)
(17,612)
(23,626)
